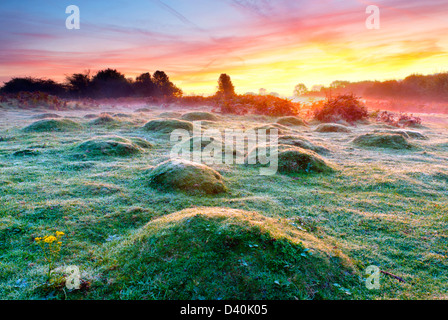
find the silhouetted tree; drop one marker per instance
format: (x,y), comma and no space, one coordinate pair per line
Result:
(300,89)
(110,83)
(164,87)
(226,89)
(79,84)
(30,84)
(144,85)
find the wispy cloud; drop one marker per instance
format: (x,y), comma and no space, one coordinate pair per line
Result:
(273,44)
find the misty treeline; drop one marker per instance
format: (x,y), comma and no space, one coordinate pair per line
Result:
(108,83)
(429,87)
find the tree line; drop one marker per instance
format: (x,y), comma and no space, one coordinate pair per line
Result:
(108,83)
(429,87)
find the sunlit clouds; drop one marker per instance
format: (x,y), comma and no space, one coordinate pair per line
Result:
(269,44)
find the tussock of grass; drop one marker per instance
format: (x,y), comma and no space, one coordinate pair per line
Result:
(108,146)
(383,140)
(103,119)
(186,176)
(170,114)
(301,142)
(222,253)
(198,116)
(51,125)
(167,125)
(270,128)
(143,110)
(332,127)
(46,116)
(291,121)
(290,160)
(408,134)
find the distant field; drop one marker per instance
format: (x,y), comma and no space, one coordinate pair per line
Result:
(298,236)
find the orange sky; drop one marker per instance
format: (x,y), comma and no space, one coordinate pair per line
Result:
(259,43)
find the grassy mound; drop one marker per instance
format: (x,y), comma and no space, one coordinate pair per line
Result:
(51,125)
(47,116)
(26,153)
(170,115)
(122,115)
(281,129)
(290,160)
(167,125)
(143,110)
(186,176)
(198,116)
(291,121)
(220,253)
(108,146)
(200,143)
(408,134)
(91,116)
(301,142)
(103,119)
(332,127)
(383,140)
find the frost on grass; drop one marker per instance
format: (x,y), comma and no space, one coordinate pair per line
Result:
(52,125)
(270,128)
(198,116)
(47,116)
(290,160)
(291,121)
(332,127)
(223,253)
(169,114)
(301,142)
(103,119)
(383,140)
(167,125)
(111,146)
(187,176)
(408,134)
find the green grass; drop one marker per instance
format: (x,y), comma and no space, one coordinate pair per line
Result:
(382,207)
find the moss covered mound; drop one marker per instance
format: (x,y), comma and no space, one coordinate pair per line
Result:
(53,125)
(108,146)
(170,114)
(220,253)
(383,140)
(186,176)
(408,134)
(103,119)
(167,125)
(91,116)
(143,110)
(301,142)
(47,116)
(199,143)
(270,128)
(198,116)
(291,121)
(332,127)
(290,160)
(122,115)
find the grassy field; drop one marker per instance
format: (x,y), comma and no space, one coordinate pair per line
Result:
(288,236)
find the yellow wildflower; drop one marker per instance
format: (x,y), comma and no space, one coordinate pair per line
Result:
(50,239)
(59,233)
